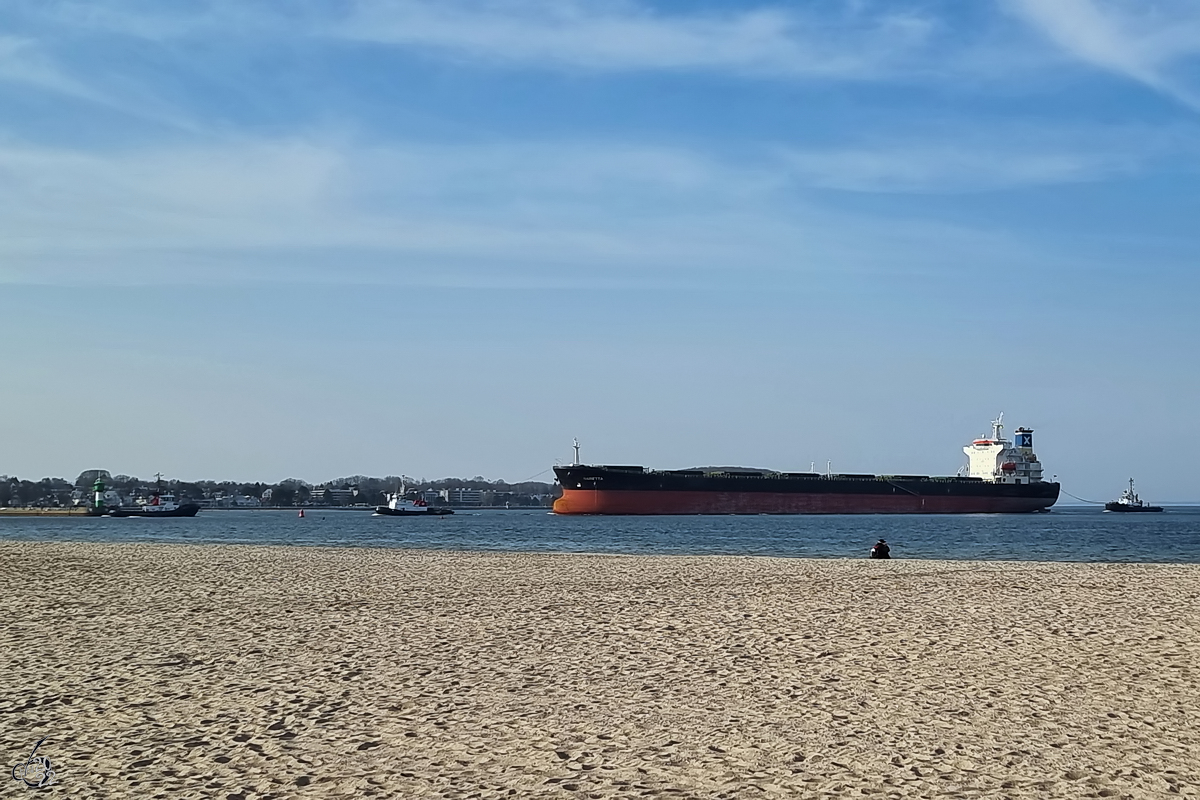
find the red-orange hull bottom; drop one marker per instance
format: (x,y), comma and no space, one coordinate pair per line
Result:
(594,501)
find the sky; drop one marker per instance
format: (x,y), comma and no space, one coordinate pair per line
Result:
(257,240)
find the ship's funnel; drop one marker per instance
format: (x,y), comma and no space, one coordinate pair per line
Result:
(1025,439)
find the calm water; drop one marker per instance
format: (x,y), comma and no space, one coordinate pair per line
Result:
(1065,534)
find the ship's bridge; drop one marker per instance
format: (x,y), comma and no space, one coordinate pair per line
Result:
(997,460)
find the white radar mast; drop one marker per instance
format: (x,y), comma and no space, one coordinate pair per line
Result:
(576,446)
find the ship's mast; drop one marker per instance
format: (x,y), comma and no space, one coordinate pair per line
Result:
(997,427)
(576,447)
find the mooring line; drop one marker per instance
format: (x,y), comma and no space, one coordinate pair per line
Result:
(1080,499)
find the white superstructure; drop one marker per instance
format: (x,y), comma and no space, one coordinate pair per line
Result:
(398,502)
(1000,461)
(1129,497)
(158,504)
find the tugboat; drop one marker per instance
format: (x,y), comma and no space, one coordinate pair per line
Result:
(400,506)
(160,504)
(1129,501)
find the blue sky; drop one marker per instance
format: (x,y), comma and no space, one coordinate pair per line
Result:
(260,240)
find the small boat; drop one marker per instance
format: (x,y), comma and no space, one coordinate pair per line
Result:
(1129,501)
(400,506)
(160,504)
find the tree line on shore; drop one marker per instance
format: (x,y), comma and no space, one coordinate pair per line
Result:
(289,493)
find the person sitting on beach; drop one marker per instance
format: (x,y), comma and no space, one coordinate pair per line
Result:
(881,549)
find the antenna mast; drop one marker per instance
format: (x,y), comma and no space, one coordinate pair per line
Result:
(576,447)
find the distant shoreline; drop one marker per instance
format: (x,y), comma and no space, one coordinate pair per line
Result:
(82,511)
(361,509)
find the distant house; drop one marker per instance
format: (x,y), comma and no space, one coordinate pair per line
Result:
(334,496)
(464,497)
(231,501)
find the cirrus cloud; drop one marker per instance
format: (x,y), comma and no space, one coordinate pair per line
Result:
(622,36)
(1145,42)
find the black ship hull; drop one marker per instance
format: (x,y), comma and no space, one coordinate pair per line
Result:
(428,511)
(635,490)
(1127,508)
(185,510)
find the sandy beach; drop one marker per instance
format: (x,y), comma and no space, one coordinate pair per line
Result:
(172,671)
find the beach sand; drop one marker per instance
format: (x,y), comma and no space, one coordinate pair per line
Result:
(173,671)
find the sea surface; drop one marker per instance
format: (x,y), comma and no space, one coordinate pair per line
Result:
(1063,534)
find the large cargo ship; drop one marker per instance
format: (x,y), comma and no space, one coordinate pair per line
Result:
(1000,478)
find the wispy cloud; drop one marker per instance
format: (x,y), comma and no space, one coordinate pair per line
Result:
(504,214)
(231,199)
(245,203)
(858,40)
(23,61)
(956,166)
(1145,42)
(160,21)
(28,63)
(580,214)
(620,35)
